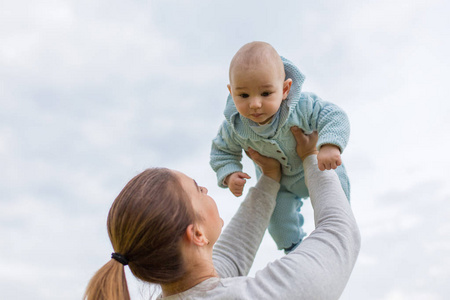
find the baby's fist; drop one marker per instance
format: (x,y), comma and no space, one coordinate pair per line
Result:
(236,182)
(329,157)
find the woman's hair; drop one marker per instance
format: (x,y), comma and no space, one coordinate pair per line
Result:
(145,224)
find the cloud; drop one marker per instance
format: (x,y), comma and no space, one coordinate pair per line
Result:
(93,92)
(404,252)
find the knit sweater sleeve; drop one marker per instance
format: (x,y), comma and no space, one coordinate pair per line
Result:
(328,119)
(236,248)
(226,154)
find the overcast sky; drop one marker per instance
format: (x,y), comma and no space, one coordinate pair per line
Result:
(93,92)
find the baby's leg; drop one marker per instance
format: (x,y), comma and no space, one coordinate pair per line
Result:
(345,182)
(286,223)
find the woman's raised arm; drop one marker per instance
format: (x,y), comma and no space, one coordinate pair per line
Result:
(236,248)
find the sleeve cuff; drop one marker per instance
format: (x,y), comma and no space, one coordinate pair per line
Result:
(225,171)
(267,184)
(337,141)
(309,161)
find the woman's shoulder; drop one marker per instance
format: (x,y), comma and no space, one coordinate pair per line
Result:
(211,288)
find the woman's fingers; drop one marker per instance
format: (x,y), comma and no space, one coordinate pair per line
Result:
(306,143)
(299,135)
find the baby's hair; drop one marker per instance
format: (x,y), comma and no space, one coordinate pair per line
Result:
(256,53)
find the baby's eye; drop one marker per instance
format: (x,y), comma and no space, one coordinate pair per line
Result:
(265,94)
(244,95)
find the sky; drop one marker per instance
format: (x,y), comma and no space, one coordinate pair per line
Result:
(94,92)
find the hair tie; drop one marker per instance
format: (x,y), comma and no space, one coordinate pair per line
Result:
(120,258)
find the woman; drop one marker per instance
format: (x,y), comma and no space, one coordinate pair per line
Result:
(164,226)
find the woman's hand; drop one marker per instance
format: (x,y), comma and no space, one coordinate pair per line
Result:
(306,143)
(269,166)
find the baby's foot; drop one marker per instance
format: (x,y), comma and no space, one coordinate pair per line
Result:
(291,248)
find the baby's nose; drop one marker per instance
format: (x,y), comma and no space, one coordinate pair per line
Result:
(255,103)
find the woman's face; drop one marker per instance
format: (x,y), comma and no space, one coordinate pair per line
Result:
(204,206)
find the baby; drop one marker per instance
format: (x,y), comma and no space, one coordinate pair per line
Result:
(265,102)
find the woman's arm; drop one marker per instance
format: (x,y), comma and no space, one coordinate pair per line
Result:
(321,265)
(326,258)
(236,248)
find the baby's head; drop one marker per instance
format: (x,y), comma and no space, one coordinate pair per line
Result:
(257,82)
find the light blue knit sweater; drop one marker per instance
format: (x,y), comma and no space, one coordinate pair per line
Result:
(305,110)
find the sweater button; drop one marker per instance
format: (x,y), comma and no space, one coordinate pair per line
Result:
(278,151)
(283,158)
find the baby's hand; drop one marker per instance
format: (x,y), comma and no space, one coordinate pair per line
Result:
(236,182)
(329,157)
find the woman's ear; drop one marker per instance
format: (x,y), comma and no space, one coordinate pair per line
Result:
(286,87)
(194,234)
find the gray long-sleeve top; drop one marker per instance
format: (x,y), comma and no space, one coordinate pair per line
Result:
(318,269)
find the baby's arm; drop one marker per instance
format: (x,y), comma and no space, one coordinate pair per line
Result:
(328,119)
(329,157)
(226,154)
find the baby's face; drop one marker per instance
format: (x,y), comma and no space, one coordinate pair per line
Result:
(258,91)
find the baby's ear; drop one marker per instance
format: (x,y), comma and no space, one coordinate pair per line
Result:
(229,87)
(286,87)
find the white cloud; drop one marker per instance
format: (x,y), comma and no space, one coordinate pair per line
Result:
(91,93)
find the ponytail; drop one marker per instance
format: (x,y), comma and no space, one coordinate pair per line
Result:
(146,224)
(109,283)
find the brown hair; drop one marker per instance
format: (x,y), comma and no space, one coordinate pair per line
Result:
(145,224)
